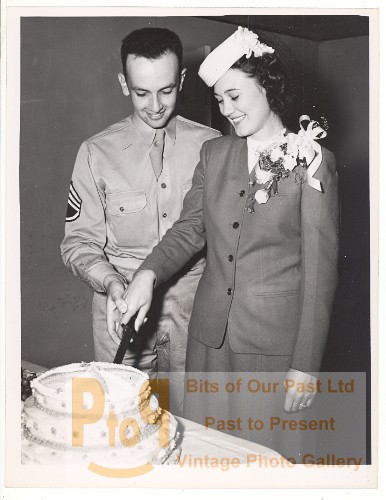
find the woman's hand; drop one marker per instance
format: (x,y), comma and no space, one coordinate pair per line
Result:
(138,297)
(301,390)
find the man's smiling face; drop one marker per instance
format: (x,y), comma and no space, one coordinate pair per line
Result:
(153,85)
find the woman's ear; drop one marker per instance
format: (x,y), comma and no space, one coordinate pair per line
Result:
(122,81)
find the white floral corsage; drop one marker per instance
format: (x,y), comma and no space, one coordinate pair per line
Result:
(278,160)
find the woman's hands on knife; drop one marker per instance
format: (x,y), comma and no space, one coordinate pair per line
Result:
(138,297)
(123,305)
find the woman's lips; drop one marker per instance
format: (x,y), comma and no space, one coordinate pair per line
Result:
(237,119)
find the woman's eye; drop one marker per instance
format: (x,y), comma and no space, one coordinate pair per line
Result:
(140,95)
(167,92)
(234,98)
(219,101)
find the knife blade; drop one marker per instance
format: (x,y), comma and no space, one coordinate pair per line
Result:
(127,338)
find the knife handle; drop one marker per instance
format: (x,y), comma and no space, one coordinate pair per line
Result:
(128,336)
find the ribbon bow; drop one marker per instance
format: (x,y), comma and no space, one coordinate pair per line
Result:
(308,135)
(250,43)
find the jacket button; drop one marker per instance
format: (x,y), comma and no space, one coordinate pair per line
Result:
(122,209)
(163,185)
(230,258)
(229,291)
(235,225)
(164,215)
(242,192)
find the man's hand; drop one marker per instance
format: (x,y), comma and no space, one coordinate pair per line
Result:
(115,306)
(138,297)
(301,390)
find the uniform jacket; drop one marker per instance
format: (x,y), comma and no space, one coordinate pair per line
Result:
(271,275)
(117,209)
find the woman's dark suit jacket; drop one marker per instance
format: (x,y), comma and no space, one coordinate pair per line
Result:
(271,275)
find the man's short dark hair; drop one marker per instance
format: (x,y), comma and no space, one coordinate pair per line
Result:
(151,43)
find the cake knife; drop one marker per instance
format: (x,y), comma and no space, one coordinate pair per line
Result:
(127,339)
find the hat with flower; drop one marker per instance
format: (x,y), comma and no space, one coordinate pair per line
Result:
(242,42)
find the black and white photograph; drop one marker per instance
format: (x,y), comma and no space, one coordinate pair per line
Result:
(192,248)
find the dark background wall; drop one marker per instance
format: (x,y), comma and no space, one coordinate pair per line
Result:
(344,82)
(70,91)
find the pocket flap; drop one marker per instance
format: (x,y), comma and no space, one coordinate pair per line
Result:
(126,203)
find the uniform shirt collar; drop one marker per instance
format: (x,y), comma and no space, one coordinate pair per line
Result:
(147,133)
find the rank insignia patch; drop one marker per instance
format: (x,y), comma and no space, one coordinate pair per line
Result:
(74,204)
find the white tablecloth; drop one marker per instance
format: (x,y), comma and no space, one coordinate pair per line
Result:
(199,441)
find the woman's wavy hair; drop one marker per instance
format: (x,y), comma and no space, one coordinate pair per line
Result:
(277,73)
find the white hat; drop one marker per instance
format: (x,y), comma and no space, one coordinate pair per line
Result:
(242,42)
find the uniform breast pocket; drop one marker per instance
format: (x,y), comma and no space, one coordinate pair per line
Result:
(129,219)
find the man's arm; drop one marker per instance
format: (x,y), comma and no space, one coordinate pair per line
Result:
(85,230)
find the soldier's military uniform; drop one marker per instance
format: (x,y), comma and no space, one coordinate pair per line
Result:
(117,212)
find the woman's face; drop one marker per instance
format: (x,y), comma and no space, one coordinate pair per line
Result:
(243,101)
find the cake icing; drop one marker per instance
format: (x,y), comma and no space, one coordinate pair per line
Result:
(95,412)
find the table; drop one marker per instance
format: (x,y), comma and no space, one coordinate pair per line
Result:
(200,441)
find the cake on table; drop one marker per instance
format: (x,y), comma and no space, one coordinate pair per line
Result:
(96,412)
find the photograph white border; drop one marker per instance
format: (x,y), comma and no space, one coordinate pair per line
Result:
(10,205)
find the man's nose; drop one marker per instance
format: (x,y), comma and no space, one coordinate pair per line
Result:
(155,103)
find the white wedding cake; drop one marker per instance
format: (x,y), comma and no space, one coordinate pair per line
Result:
(96,412)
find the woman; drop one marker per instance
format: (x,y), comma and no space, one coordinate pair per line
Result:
(271,229)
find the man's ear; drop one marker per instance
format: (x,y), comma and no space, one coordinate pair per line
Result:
(182,78)
(122,81)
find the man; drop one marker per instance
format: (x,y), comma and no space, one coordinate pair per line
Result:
(127,189)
